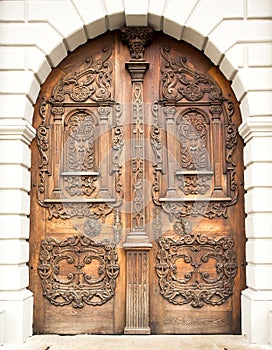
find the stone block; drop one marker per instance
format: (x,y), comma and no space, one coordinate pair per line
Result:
(93,14)
(258,276)
(14,251)
(234,59)
(14,152)
(251,79)
(259,9)
(259,55)
(12,58)
(256,103)
(13,277)
(255,315)
(70,25)
(175,15)
(37,62)
(12,11)
(16,106)
(115,14)
(2,325)
(14,202)
(258,251)
(270,326)
(136,12)
(258,149)
(230,32)
(258,200)
(259,225)
(14,226)
(14,177)
(19,82)
(34,34)
(155,12)
(18,308)
(258,175)
(198,27)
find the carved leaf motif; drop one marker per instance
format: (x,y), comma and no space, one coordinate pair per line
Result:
(94,81)
(181,80)
(196,286)
(193,141)
(77,286)
(80,141)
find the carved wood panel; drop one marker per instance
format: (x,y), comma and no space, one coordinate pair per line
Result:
(196,270)
(91,280)
(137,198)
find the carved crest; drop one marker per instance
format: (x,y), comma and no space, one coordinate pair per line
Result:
(196,270)
(77,271)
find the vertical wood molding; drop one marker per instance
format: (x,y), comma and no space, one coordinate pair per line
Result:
(137,243)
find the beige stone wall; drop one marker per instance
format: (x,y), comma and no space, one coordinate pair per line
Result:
(37,35)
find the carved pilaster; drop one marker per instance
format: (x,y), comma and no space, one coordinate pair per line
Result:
(137,243)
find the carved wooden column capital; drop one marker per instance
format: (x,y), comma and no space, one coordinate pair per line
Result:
(137,38)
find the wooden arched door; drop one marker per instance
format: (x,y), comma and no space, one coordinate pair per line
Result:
(137,218)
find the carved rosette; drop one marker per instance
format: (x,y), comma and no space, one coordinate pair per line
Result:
(77,271)
(196,270)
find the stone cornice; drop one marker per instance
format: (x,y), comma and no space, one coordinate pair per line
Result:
(16,129)
(256,127)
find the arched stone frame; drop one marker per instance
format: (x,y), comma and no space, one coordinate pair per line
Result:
(43,37)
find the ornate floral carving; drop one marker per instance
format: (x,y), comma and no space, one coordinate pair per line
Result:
(69,210)
(210,266)
(195,208)
(136,38)
(195,184)
(193,140)
(80,185)
(80,141)
(92,82)
(180,80)
(77,271)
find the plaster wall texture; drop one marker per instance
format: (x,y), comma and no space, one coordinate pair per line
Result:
(35,36)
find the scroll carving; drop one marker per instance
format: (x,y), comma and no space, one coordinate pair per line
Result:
(77,271)
(196,270)
(73,119)
(181,81)
(198,169)
(193,141)
(80,142)
(93,83)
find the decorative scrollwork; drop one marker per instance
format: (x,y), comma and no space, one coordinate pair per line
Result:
(80,142)
(93,82)
(80,185)
(195,184)
(196,270)
(180,80)
(69,210)
(77,271)
(193,140)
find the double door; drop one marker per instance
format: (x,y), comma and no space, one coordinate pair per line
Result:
(137,221)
